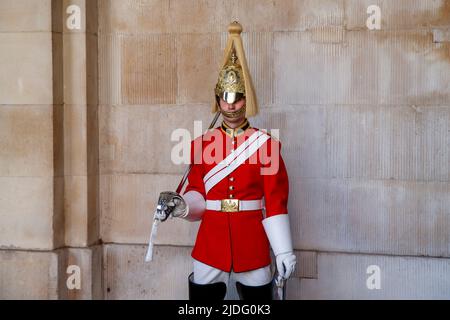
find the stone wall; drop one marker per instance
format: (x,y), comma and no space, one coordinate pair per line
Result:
(49,202)
(87,114)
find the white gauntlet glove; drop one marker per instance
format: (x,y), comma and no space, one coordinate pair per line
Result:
(279,234)
(286,264)
(170,204)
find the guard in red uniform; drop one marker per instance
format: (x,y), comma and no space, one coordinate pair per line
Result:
(238,187)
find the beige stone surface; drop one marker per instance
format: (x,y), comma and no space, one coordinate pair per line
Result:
(138,139)
(26,142)
(363,116)
(111,15)
(79,47)
(149,72)
(378,216)
(76,210)
(58,68)
(194,16)
(58,140)
(198,60)
(157,69)
(92,61)
(363,141)
(344,276)
(26,212)
(81,210)
(25,15)
(93,206)
(80,68)
(441,35)
(89,267)
(89,16)
(358,172)
(75,139)
(74,48)
(260,53)
(57,16)
(58,223)
(399,14)
(26,64)
(28,275)
(92,144)
(306,266)
(81,4)
(81,180)
(127,276)
(44,274)
(109,69)
(92,16)
(128,203)
(386,68)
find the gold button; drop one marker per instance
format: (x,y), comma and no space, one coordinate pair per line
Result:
(231,188)
(231,196)
(231,178)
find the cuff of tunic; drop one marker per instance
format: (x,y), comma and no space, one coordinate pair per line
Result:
(195,206)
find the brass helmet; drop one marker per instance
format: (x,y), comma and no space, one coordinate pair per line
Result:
(234,80)
(230,85)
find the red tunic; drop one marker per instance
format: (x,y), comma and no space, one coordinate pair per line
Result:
(237,240)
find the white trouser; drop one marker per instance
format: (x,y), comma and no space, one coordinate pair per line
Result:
(204,274)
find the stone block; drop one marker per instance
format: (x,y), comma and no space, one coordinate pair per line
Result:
(128,203)
(376,216)
(345,276)
(149,71)
(26,64)
(359,67)
(81,273)
(127,276)
(214,16)
(28,275)
(398,15)
(27,141)
(25,16)
(362,141)
(138,139)
(27,212)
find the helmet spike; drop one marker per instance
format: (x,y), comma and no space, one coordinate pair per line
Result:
(234,77)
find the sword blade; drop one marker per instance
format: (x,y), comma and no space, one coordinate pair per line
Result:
(149,254)
(281,287)
(188,169)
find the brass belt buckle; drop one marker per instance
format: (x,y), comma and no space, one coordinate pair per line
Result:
(229,205)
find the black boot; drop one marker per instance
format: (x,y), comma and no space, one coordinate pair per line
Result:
(255,293)
(206,292)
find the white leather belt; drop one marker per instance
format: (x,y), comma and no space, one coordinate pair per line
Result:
(233,205)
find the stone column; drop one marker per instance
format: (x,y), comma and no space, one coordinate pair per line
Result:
(48,150)
(31,184)
(79,50)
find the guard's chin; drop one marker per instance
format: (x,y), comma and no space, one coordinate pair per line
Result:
(233,114)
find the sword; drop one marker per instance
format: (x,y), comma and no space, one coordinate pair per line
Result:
(280,282)
(149,254)
(156,219)
(186,173)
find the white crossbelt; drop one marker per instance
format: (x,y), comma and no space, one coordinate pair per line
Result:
(232,156)
(234,160)
(244,205)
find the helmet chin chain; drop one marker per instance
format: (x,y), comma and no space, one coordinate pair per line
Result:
(233,114)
